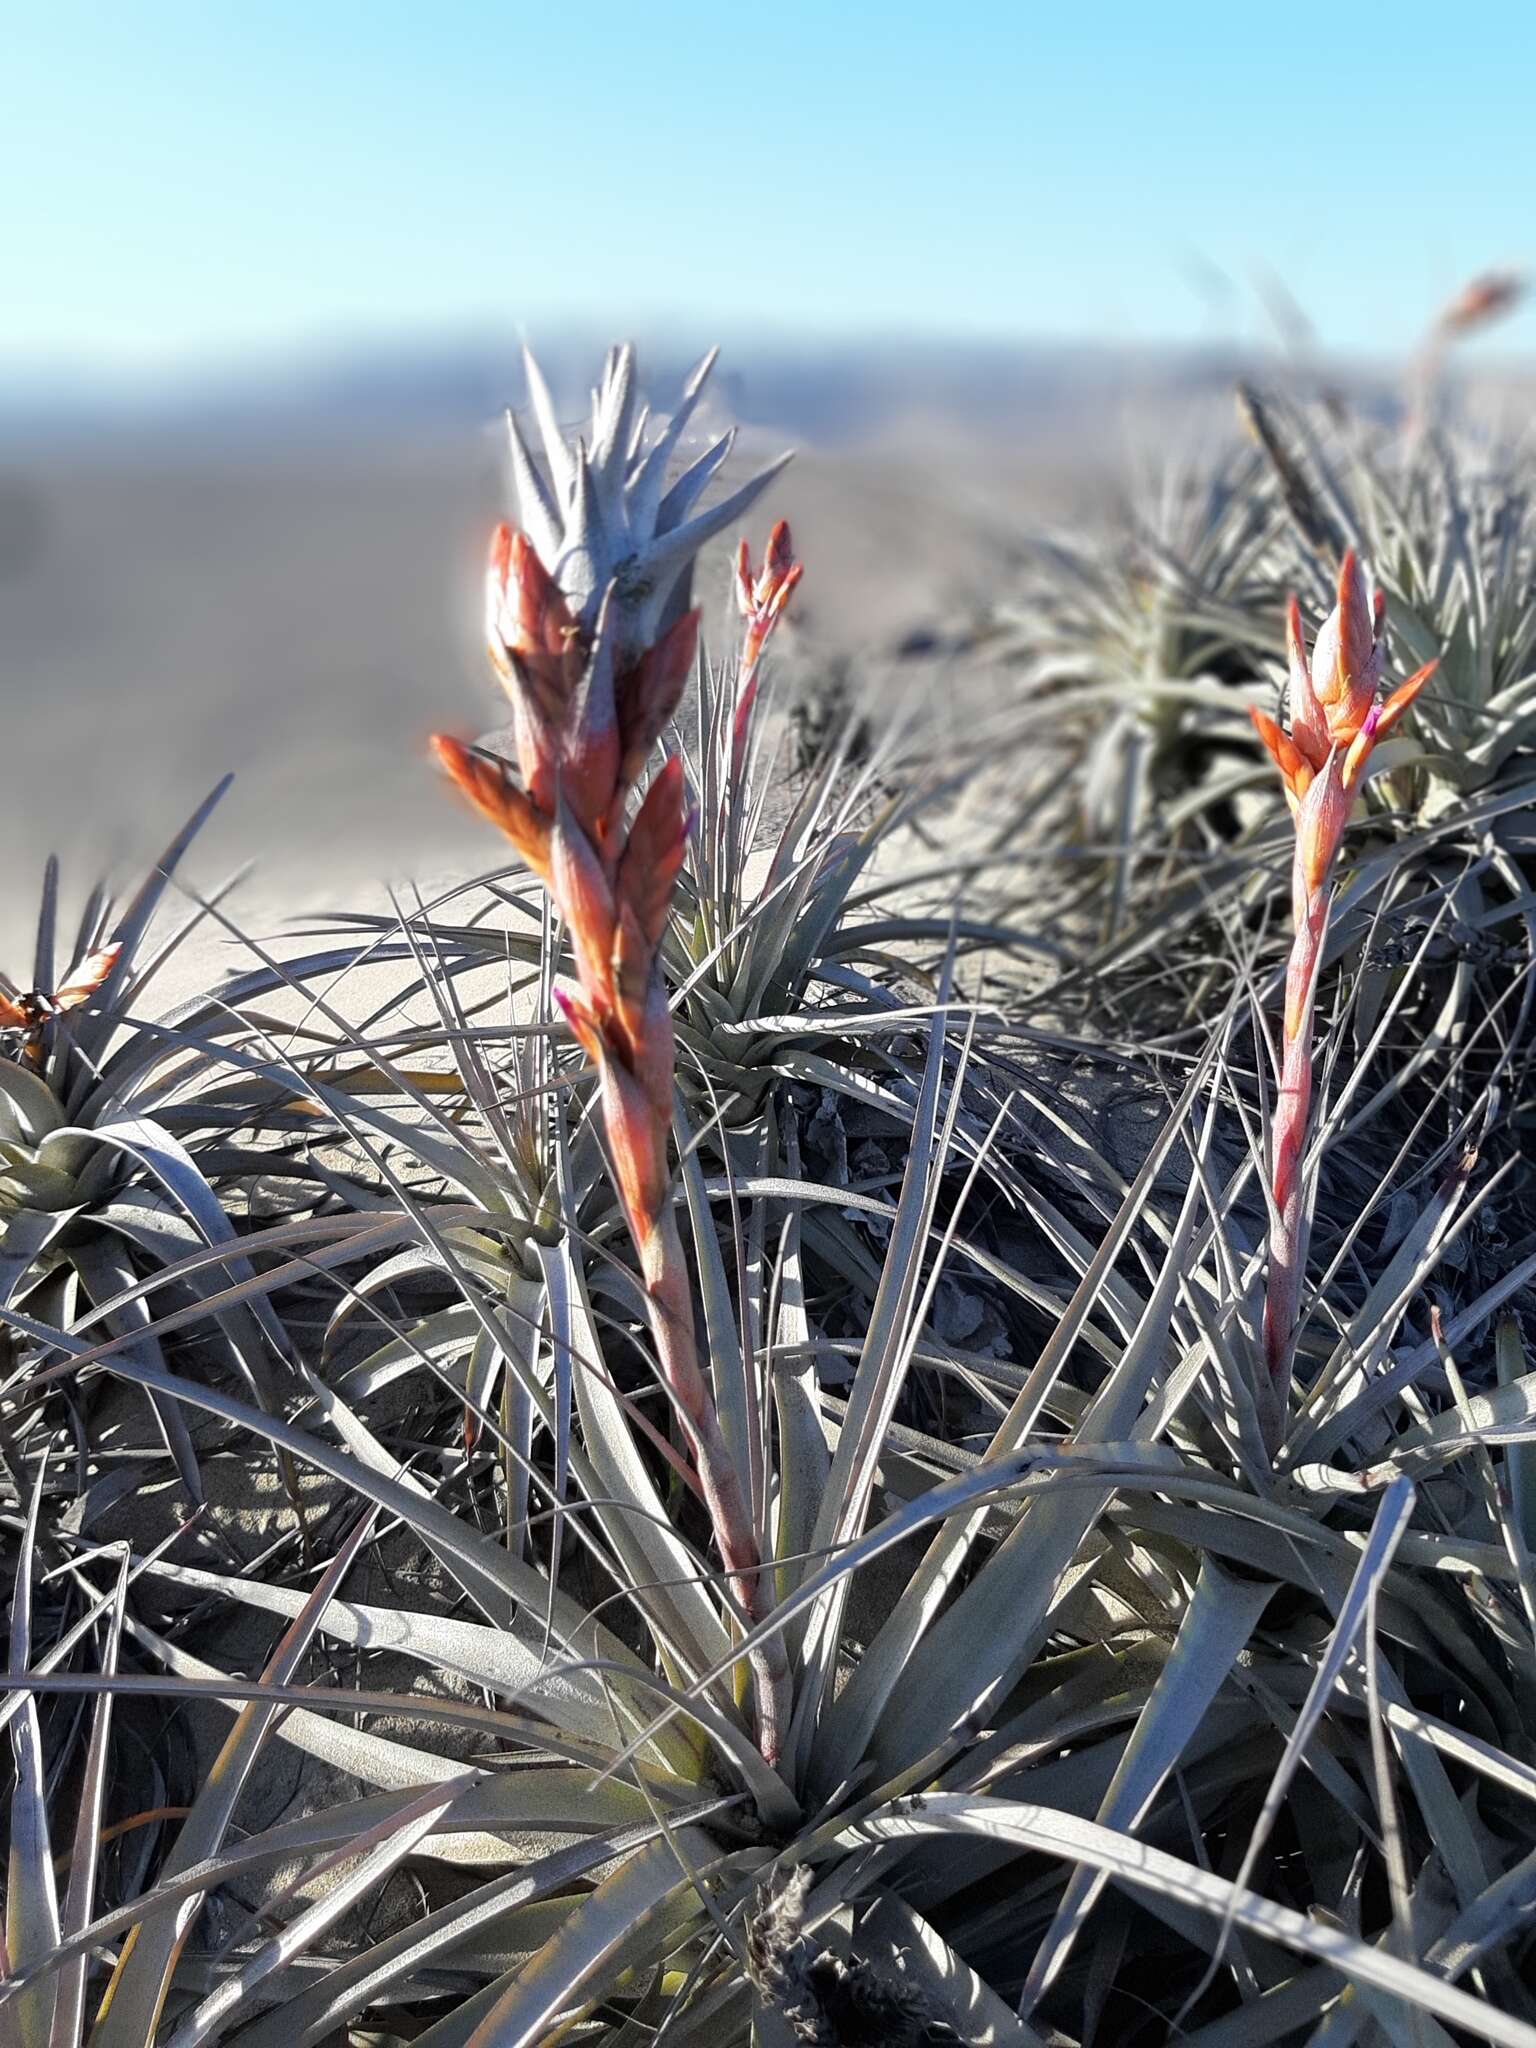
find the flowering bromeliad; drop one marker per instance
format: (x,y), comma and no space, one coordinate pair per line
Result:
(1336,722)
(592,638)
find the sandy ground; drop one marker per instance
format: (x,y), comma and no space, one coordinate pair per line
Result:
(306,617)
(304,611)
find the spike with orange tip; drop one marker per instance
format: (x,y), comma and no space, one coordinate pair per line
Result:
(761,599)
(1336,722)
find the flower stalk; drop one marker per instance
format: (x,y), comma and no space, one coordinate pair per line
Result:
(1336,722)
(592,638)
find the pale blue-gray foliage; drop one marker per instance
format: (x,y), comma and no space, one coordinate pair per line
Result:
(605,513)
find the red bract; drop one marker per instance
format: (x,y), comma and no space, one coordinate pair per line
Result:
(496,796)
(650,691)
(762,598)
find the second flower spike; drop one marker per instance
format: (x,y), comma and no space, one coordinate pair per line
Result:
(1336,722)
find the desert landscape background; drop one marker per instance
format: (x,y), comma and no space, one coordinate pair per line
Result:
(276,572)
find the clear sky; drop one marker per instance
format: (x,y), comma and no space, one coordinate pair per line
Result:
(185,183)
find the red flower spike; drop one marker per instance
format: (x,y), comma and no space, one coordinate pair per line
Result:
(762,599)
(592,681)
(1334,704)
(1336,724)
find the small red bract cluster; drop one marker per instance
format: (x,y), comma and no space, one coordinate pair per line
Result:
(1336,720)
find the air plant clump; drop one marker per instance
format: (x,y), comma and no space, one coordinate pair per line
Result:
(591,637)
(1053,1638)
(1336,722)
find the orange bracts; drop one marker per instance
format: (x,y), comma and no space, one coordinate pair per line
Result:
(580,719)
(1333,699)
(1336,722)
(583,736)
(490,788)
(761,599)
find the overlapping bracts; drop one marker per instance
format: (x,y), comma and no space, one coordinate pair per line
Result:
(592,636)
(1336,722)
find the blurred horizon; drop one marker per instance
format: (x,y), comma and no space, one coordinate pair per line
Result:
(268,272)
(846,392)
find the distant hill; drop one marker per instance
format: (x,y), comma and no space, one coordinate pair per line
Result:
(828,394)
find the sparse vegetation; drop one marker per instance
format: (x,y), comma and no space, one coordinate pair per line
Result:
(755,1501)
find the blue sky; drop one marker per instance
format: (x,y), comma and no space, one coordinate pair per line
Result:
(185,184)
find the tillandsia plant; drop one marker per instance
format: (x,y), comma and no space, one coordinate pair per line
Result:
(591,638)
(1137,634)
(120,1148)
(1336,722)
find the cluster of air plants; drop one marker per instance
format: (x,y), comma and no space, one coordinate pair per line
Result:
(1144,640)
(125,1144)
(1128,666)
(666,1661)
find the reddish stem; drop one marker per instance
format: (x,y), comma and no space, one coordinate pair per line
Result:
(670,1302)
